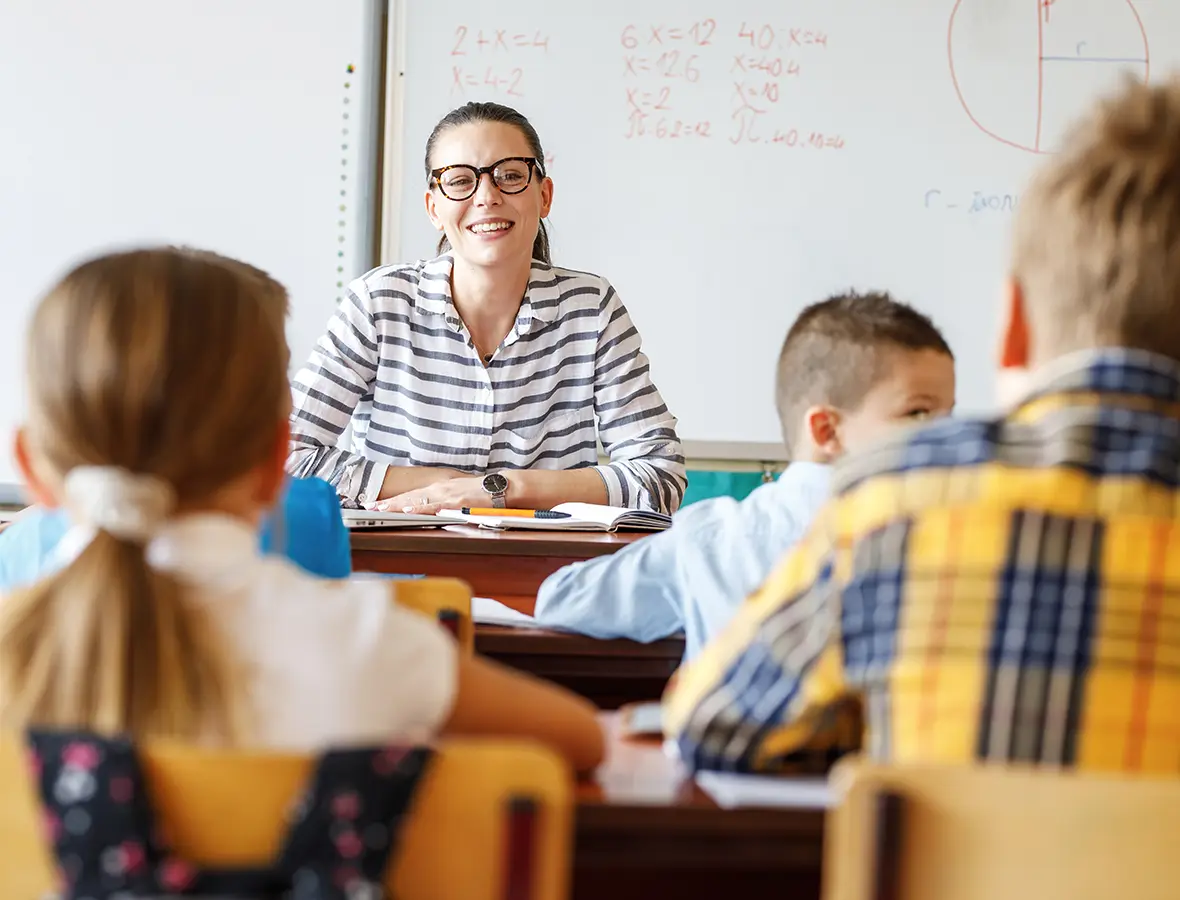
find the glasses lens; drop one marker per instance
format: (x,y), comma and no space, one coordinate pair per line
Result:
(512,176)
(458,183)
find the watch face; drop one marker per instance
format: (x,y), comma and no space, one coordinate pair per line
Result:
(495,484)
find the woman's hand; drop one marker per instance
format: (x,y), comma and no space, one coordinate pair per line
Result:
(454,493)
(527,489)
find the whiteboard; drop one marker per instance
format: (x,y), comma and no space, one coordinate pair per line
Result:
(234,125)
(725,164)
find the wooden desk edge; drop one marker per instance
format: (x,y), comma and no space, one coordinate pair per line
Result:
(579,545)
(508,639)
(686,828)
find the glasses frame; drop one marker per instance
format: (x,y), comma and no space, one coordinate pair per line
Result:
(532,162)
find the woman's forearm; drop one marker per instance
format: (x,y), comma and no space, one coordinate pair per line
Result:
(543,488)
(399,479)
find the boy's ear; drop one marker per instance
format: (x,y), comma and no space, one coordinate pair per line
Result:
(1014,333)
(1015,357)
(41,492)
(821,426)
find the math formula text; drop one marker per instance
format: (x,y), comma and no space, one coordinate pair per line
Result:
(493,59)
(672,72)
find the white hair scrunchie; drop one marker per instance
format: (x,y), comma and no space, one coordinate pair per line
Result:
(122,503)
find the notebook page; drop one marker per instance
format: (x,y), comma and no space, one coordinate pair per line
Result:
(592,512)
(731,791)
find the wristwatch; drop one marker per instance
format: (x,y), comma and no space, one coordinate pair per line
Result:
(496,487)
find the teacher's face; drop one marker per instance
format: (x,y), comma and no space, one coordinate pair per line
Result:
(490,227)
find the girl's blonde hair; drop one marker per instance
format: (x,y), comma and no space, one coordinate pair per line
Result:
(169,363)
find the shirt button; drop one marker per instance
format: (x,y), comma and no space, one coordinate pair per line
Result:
(364,498)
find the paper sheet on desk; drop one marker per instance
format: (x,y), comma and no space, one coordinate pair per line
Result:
(731,791)
(486,611)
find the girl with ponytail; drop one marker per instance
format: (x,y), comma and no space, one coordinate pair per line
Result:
(158,407)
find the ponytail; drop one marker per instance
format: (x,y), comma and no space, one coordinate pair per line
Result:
(108,643)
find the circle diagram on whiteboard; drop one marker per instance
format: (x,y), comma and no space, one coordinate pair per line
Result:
(1024,70)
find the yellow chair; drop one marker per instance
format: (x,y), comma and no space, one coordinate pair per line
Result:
(445,599)
(983,833)
(229,809)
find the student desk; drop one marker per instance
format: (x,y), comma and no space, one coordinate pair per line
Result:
(508,566)
(608,673)
(644,829)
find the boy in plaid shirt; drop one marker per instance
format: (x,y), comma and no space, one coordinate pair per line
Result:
(1000,590)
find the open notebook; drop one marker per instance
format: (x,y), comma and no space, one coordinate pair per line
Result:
(583,517)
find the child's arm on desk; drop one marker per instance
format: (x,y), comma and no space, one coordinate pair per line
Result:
(494,700)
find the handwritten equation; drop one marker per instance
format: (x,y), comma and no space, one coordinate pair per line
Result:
(702,80)
(496,59)
(671,70)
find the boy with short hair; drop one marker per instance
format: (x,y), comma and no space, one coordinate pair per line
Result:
(851,369)
(1005,590)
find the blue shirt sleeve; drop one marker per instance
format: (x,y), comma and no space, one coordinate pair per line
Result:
(691,577)
(309,530)
(27,545)
(630,594)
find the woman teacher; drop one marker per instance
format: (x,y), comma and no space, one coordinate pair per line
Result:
(476,378)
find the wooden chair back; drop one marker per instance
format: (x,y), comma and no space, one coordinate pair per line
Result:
(492,820)
(446,599)
(981,833)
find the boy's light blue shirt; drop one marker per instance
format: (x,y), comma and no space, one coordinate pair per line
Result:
(693,576)
(311,534)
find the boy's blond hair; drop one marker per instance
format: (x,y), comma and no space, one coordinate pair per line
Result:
(1096,240)
(165,363)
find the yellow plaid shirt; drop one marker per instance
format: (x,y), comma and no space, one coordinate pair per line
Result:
(979,590)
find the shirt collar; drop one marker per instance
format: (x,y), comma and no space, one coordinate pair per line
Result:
(1108,370)
(199,549)
(543,295)
(804,470)
(433,294)
(541,298)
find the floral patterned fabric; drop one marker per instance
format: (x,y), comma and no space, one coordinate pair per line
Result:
(99,823)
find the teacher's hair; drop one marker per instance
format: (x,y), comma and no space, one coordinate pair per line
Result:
(475,112)
(168,363)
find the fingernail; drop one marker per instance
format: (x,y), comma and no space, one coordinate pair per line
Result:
(407,509)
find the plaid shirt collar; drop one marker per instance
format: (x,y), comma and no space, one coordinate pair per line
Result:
(1109,370)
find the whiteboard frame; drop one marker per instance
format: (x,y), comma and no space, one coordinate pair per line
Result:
(392,178)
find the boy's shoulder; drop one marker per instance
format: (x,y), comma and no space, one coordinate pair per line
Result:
(28,543)
(311,495)
(314,535)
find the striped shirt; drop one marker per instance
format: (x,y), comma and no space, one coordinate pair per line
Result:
(1001,591)
(398,364)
